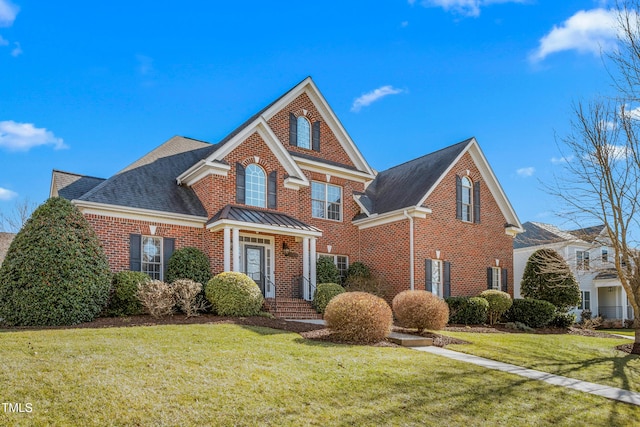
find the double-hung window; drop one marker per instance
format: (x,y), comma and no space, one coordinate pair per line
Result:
(436,277)
(585,300)
(255,186)
(326,201)
(496,277)
(152,256)
(582,260)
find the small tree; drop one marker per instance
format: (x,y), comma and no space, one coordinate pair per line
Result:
(326,271)
(55,272)
(548,277)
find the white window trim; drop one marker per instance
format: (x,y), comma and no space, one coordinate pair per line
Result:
(246,186)
(582,300)
(580,260)
(470,204)
(496,278)
(161,263)
(326,202)
(298,132)
(437,265)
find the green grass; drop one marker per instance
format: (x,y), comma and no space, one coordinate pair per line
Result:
(233,375)
(584,358)
(627,332)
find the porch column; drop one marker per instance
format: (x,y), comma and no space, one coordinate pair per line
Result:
(227,249)
(305,268)
(312,262)
(236,249)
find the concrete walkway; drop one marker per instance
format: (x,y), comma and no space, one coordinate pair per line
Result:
(584,386)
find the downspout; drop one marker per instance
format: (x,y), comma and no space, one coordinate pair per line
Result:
(411,250)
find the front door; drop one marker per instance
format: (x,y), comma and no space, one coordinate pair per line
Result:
(254,264)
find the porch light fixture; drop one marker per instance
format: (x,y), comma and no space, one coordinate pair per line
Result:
(285,249)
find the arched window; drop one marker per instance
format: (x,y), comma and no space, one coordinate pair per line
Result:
(304,133)
(255,186)
(466,199)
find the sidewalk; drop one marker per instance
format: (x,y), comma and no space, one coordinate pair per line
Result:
(584,386)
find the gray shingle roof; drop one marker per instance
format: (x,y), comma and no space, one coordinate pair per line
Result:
(260,216)
(588,234)
(72,186)
(537,233)
(150,182)
(404,185)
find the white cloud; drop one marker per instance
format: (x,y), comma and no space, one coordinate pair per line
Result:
(371,97)
(24,136)
(8,12)
(7,194)
(617,151)
(526,172)
(558,160)
(587,31)
(17,50)
(463,7)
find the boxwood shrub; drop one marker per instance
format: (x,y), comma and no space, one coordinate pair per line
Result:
(532,312)
(324,293)
(467,310)
(234,294)
(359,317)
(421,310)
(55,271)
(188,263)
(499,303)
(123,300)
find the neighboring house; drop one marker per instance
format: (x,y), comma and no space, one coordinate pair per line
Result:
(591,260)
(5,242)
(289,185)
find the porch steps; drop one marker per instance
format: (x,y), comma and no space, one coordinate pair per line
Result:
(291,308)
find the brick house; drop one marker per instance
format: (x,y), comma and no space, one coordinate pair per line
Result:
(288,186)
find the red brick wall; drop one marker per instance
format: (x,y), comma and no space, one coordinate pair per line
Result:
(114,236)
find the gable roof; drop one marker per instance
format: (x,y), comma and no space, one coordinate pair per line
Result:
(149,183)
(538,233)
(405,185)
(72,185)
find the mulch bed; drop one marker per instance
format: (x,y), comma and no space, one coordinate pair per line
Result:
(311,331)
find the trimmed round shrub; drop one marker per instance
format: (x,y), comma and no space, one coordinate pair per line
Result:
(534,313)
(467,310)
(188,263)
(419,309)
(547,276)
(326,271)
(55,271)
(324,293)
(563,320)
(234,294)
(157,297)
(124,288)
(359,317)
(499,303)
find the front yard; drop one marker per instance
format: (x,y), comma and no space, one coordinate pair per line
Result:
(224,374)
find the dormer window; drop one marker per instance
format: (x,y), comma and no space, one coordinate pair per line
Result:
(255,186)
(304,133)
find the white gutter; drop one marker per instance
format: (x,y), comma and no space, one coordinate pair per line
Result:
(411,250)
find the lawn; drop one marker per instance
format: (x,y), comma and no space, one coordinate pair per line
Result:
(584,358)
(237,375)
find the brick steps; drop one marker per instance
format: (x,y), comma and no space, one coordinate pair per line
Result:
(291,308)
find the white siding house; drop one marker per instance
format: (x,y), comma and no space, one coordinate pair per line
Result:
(590,259)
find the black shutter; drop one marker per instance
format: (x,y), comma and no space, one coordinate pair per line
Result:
(476,202)
(505,281)
(168,245)
(272,190)
(428,285)
(458,197)
(293,130)
(315,137)
(135,252)
(240,185)
(446,279)
(489,277)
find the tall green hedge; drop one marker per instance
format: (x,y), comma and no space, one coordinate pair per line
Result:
(123,300)
(55,272)
(188,263)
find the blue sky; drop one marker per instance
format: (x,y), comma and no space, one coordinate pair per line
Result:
(89,87)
